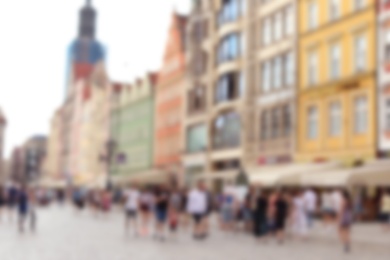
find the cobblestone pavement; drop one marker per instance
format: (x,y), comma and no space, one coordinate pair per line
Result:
(64,235)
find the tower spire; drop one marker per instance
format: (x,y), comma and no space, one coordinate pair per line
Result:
(87,21)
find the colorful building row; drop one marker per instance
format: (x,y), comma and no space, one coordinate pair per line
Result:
(245,86)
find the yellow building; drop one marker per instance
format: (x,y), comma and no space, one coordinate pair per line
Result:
(336,93)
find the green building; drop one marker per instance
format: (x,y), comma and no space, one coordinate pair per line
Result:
(132,128)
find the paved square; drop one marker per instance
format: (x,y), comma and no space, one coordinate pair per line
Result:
(64,235)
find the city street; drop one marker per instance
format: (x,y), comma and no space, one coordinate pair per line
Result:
(65,235)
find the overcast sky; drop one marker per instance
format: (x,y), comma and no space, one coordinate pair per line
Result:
(36,34)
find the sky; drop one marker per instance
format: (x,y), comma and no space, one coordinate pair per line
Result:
(35,36)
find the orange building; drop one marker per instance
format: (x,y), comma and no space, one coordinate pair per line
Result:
(170,100)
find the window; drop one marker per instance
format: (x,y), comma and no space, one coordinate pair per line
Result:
(335,118)
(334,9)
(359,4)
(360,53)
(196,99)
(228,87)
(360,110)
(277,72)
(227,131)
(267,31)
(313,15)
(289,69)
(289,20)
(335,61)
(278,23)
(196,138)
(229,48)
(312,123)
(266,76)
(230,11)
(312,70)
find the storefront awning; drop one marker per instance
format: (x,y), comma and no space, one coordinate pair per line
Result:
(371,174)
(287,175)
(219,175)
(146,177)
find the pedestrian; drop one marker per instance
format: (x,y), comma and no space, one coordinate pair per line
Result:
(385,210)
(337,199)
(328,212)
(146,207)
(310,198)
(299,217)
(2,201)
(197,207)
(132,199)
(209,209)
(228,208)
(184,216)
(271,213)
(174,211)
(32,208)
(106,201)
(248,207)
(345,219)
(281,215)
(22,202)
(12,199)
(161,211)
(260,215)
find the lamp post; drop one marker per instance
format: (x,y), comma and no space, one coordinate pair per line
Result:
(110,151)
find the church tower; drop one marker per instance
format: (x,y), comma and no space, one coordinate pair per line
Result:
(85,51)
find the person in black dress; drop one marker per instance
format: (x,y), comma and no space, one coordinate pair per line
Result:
(281,215)
(260,219)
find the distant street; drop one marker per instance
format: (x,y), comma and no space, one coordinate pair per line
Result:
(64,235)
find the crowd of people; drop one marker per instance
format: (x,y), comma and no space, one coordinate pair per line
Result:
(21,200)
(160,211)
(264,213)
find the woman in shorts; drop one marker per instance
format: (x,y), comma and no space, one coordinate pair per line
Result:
(146,206)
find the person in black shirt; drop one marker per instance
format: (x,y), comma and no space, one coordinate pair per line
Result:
(162,202)
(281,215)
(261,223)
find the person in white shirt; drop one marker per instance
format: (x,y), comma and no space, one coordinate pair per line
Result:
(310,200)
(132,196)
(197,207)
(337,202)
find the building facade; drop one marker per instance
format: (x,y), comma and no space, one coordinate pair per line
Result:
(169,100)
(17,171)
(196,117)
(133,128)
(383,66)
(231,90)
(276,70)
(85,57)
(52,166)
(337,81)
(34,152)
